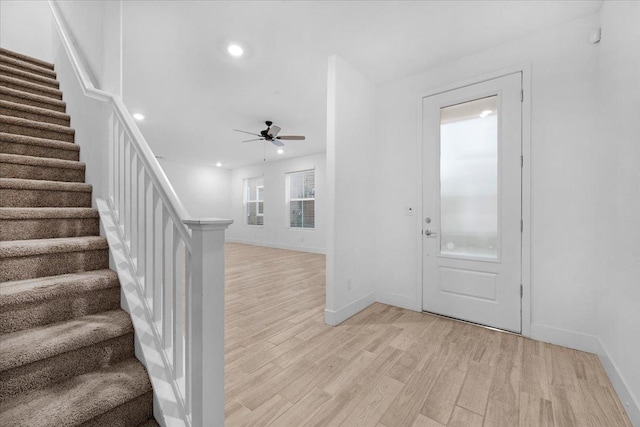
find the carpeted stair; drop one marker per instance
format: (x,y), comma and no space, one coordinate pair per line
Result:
(66,348)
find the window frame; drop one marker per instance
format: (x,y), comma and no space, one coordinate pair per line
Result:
(289,199)
(247,201)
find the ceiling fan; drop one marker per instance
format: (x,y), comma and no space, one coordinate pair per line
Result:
(271,134)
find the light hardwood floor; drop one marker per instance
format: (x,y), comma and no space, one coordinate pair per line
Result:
(387,366)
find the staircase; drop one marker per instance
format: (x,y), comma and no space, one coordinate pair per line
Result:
(66,348)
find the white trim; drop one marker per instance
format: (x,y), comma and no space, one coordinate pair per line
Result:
(169,411)
(334,318)
(398,300)
(628,400)
(525,69)
(279,246)
(565,338)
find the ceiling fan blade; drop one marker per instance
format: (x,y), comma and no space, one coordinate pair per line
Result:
(277,142)
(292,137)
(274,130)
(257,139)
(244,131)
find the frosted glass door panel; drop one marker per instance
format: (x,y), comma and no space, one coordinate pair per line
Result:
(469,179)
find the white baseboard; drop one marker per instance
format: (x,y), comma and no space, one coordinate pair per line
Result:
(168,409)
(334,318)
(566,338)
(279,246)
(628,399)
(397,300)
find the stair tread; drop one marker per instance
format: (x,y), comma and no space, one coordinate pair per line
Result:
(27,58)
(19,292)
(67,403)
(14,62)
(23,74)
(35,184)
(47,213)
(19,121)
(35,110)
(22,248)
(27,95)
(30,345)
(42,142)
(31,85)
(41,161)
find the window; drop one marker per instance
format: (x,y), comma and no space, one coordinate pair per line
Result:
(302,199)
(254,200)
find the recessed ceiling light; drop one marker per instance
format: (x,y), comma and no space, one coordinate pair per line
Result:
(280,151)
(219,164)
(235,50)
(485,113)
(138,116)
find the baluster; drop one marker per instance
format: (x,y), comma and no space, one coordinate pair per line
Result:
(121,179)
(169,278)
(116,159)
(178,304)
(133,212)
(149,278)
(111,164)
(158,277)
(188,337)
(126,207)
(141,223)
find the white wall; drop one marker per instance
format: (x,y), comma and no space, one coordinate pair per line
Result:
(564,154)
(351,189)
(25,27)
(96,29)
(619,196)
(203,190)
(89,118)
(275,232)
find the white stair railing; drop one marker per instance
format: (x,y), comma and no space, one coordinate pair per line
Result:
(178,263)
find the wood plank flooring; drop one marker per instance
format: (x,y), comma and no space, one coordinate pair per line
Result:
(387,367)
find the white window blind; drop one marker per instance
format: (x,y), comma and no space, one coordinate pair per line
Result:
(254,200)
(302,199)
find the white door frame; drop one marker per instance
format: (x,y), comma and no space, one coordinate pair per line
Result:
(525,69)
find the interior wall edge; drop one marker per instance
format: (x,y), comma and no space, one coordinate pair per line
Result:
(566,338)
(335,317)
(627,399)
(398,300)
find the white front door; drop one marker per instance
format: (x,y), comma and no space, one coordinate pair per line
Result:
(472,202)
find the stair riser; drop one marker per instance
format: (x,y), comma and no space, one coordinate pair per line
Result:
(26,58)
(62,121)
(25,66)
(58,309)
(31,267)
(129,414)
(33,102)
(37,133)
(17,198)
(28,77)
(13,170)
(36,91)
(38,151)
(46,372)
(49,228)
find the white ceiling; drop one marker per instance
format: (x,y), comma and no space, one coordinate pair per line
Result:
(178,74)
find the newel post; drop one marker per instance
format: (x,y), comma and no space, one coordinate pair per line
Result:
(205,311)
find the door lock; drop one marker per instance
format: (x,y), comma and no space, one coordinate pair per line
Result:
(428,220)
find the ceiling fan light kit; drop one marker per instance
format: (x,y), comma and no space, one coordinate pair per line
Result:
(271,134)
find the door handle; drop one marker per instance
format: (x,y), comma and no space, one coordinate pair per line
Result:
(429,233)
